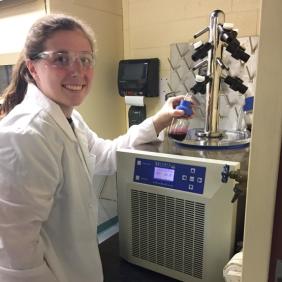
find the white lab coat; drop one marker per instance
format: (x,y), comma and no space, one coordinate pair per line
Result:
(48,207)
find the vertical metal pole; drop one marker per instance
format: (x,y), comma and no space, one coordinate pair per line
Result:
(214,72)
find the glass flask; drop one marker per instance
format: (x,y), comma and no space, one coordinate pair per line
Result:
(180,125)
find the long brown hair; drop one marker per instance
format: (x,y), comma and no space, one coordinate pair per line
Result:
(40,31)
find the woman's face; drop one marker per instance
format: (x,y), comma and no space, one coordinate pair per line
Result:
(63,71)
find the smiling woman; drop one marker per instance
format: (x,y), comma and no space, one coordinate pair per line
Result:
(70,37)
(63,71)
(49,155)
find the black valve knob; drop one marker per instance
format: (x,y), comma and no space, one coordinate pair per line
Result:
(238,191)
(228,36)
(200,87)
(225,174)
(236,84)
(237,52)
(201,52)
(233,45)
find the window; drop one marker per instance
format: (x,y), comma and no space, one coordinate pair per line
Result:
(5,77)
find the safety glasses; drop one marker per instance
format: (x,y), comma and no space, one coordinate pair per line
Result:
(66,59)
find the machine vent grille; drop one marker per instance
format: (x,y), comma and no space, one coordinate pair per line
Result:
(168,231)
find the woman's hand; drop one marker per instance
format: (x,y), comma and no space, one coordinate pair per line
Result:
(164,116)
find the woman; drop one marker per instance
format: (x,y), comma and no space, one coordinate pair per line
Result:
(48,156)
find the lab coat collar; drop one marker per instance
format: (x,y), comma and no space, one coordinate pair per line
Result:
(34,95)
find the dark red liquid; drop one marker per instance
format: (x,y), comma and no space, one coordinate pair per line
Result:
(180,136)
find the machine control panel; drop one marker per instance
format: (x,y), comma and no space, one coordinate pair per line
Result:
(177,176)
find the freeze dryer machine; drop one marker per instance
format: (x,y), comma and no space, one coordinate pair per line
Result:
(175,213)
(177,205)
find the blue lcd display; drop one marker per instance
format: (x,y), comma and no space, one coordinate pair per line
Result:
(170,175)
(164,173)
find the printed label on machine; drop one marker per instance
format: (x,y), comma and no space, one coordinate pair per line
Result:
(170,175)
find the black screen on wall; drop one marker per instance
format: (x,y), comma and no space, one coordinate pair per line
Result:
(134,71)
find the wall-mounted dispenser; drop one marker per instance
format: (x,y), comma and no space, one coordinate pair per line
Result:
(139,77)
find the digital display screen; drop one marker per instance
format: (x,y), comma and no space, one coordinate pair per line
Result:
(134,71)
(164,174)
